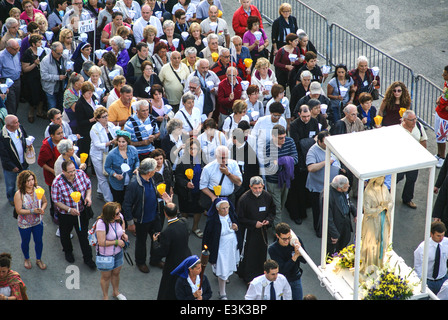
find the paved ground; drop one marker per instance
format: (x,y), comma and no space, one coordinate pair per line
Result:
(58,280)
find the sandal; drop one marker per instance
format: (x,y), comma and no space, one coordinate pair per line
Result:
(27,264)
(198,233)
(41,265)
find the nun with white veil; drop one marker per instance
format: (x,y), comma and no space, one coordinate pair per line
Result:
(222,237)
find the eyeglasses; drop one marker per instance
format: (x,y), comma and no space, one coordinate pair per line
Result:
(286,239)
(77,4)
(397,90)
(415,119)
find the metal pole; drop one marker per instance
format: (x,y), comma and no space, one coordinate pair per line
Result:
(325,208)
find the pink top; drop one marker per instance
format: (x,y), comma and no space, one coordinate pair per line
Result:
(115,232)
(24,16)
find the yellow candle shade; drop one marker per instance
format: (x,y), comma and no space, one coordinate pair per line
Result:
(402,110)
(217,190)
(248,62)
(76,196)
(215,56)
(378,120)
(39,193)
(219,13)
(189,173)
(161,188)
(83,157)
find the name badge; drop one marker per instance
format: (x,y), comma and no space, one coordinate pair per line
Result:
(262,209)
(312,134)
(365,83)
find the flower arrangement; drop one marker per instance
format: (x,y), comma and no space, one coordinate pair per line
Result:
(387,284)
(344,259)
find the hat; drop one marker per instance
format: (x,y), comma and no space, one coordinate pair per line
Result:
(182,269)
(123,133)
(220,201)
(315,88)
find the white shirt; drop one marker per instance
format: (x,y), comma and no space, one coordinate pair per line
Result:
(15,137)
(208,147)
(194,118)
(418,258)
(260,288)
(230,124)
(141,23)
(211,175)
(121,6)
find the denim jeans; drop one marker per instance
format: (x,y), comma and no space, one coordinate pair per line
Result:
(10,182)
(55,100)
(296,289)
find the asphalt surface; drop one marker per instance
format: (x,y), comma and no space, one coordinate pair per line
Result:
(63,281)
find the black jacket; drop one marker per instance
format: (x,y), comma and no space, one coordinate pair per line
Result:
(8,153)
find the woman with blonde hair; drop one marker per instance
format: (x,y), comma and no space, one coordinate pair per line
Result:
(68,43)
(150,37)
(110,232)
(195,37)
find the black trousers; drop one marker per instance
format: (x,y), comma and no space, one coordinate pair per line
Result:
(66,224)
(408,189)
(143,230)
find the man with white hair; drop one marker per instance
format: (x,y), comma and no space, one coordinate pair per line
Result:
(12,153)
(10,67)
(13,31)
(350,123)
(212,47)
(143,129)
(414,128)
(131,10)
(141,211)
(339,210)
(223,172)
(223,63)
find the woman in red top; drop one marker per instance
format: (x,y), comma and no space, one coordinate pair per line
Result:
(29,12)
(239,20)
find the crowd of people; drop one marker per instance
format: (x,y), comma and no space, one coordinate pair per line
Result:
(179,119)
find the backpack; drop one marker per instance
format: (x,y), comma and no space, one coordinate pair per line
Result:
(91,234)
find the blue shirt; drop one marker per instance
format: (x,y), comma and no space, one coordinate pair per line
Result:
(150,201)
(144,129)
(10,66)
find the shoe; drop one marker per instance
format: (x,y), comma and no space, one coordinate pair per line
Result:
(41,265)
(31,119)
(120,297)
(440,163)
(159,264)
(222,297)
(90,264)
(27,264)
(69,257)
(143,268)
(58,234)
(411,204)
(298,221)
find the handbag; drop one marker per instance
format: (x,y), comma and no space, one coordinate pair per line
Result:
(105,262)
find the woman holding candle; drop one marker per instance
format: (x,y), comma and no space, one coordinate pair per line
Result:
(256,42)
(29,210)
(187,185)
(67,152)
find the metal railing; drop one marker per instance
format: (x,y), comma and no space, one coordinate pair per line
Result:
(337,45)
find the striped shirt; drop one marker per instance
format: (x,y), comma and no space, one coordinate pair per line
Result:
(273,153)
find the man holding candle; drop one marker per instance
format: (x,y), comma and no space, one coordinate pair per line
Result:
(72,213)
(141,211)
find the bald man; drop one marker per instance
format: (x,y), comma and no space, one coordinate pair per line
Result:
(12,153)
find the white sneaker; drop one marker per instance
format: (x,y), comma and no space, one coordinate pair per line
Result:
(58,234)
(121,297)
(440,161)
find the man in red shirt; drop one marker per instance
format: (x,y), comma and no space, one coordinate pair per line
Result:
(229,90)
